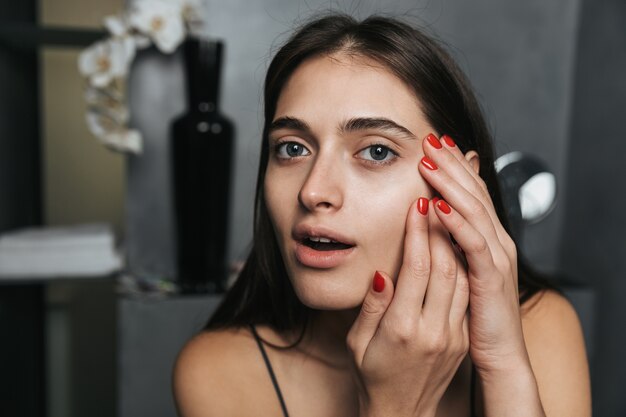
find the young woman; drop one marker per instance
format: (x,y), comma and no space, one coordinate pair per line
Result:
(382,280)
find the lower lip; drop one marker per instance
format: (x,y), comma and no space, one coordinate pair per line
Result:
(323,259)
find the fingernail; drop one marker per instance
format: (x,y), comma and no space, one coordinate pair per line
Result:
(448,140)
(428,163)
(435,199)
(379,282)
(422,205)
(443,206)
(434,142)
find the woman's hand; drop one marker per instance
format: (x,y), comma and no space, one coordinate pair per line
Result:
(408,341)
(497,345)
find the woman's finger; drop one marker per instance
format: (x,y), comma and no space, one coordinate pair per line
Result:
(448,158)
(372,311)
(474,244)
(415,271)
(450,145)
(460,301)
(470,207)
(443,275)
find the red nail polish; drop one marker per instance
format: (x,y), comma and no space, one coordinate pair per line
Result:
(379,282)
(448,140)
(435,199)
(443,206)
(434,142)
(422,206)
(428,163)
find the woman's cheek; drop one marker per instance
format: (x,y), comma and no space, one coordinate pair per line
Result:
(384,220)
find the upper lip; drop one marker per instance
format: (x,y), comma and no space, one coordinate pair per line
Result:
(304,231)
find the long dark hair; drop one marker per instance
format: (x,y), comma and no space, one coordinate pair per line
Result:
(263,293)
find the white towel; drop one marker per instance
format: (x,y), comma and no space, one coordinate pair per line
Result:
(54,252)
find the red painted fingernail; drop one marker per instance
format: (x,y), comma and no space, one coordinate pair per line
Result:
(434,142)
(448,140)
(443,206)
(379,282)
(428,163)
(422,205)
(435,199)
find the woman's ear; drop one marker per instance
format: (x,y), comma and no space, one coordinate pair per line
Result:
(474,160)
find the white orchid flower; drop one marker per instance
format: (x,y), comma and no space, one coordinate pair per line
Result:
(106,60)
(106,105)
(160,20)
(106,64)
(112,134)
(109,96)
(127,140)
(119,27)
(116,25)
(192,12)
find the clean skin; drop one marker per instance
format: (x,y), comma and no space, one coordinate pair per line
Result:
(330,172)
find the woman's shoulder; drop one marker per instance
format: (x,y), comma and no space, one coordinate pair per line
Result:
(556,348)
(214,370)
(546,309)
(550,323)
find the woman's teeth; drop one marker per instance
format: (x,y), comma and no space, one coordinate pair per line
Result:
(321,239)
(324,244)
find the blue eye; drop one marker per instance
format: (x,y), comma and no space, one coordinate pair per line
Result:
(378,153)
(288,150)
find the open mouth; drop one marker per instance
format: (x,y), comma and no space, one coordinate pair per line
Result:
(324,244)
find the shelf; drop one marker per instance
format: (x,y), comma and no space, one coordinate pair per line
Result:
(25,36)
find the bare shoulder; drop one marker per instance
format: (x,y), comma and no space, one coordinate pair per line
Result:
(213,371)
(556,348)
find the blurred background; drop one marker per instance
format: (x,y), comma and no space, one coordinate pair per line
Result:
(550,76)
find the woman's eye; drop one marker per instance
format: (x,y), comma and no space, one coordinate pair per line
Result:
(288,150)
(378,153)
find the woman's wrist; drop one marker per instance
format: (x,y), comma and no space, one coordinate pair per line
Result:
(511,392)
(369,409)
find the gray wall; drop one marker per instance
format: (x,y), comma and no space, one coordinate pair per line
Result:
(519,56)
(593,248)
(549,77)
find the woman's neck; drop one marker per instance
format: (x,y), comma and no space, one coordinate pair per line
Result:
(325,337)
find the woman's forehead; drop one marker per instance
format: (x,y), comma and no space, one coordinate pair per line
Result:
(346,86)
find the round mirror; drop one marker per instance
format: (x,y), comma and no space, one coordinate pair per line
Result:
(529,188)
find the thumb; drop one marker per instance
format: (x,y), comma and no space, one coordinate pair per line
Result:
(372,311)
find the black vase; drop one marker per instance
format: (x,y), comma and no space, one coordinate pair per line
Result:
(201,149)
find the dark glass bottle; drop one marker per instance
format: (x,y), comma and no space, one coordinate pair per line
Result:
(202,147)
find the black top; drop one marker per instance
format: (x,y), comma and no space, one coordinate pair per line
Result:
(280,395)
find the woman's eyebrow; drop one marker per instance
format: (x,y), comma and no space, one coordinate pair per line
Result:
(376,123)
(291,123)
(351,125)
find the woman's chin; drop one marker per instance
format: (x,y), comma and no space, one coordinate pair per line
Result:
(318,299)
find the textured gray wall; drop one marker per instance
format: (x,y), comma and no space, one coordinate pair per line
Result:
(546,74)
(518,55)
(594,249)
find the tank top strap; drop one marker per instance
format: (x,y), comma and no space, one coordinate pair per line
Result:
(269,370)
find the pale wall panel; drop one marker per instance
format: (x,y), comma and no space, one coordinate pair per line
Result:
(83,181)
(77,13)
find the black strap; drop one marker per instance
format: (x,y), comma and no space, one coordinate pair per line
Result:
(282,401)
(270,370)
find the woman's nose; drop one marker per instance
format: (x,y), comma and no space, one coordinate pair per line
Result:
(322,189)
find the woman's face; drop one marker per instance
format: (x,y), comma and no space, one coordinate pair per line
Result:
(344,145)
